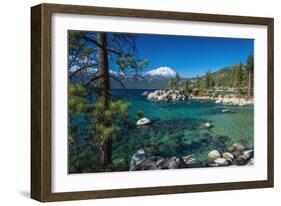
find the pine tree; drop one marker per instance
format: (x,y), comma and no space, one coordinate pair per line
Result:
(91,50)
(197,82)
(250,70)
(177,80)
(172,83)
(186,87)
(208,80)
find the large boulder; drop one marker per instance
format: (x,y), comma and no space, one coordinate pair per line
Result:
(137,158)
(143,121)
(213,155)
(236,149)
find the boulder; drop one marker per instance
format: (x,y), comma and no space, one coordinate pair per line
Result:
(241,160)
(143,121)
(190,161)
(145,93)
(248,154)
(221,162)
(213,155)
(151,96)
(163,97)
(228,156)
(236,149)
(137,158)
(172,163)
(151,163)
(245,157)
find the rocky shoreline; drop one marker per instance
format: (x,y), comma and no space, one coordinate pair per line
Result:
(179,95)
(166,95)
(234,155)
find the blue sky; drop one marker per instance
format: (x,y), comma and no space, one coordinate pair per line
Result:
(191,56)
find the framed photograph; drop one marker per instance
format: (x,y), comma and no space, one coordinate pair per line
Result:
(137,102)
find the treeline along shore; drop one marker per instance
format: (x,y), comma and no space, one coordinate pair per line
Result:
(229,86)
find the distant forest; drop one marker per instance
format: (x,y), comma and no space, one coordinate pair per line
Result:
(239,77)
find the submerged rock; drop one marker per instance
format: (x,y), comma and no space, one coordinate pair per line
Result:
(143,121)
(207,125)
(224,110)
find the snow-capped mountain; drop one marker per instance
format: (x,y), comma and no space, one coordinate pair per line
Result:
(153,79)
(161,71)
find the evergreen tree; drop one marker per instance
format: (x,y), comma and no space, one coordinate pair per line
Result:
(172,84)
(91,51)
(197,82)
(186,87)
(177,80)
(208,80)
(238,76)
(250,70)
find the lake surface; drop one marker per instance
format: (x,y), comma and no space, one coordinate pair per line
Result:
(177,128)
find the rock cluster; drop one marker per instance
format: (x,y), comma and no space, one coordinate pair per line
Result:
(178,95)
(166,95)
(234,101)
(236,154)
(142,161)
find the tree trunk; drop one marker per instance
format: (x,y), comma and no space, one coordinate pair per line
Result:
(250,84)
(106,146)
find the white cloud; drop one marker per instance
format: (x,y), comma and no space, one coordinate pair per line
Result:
(161,71)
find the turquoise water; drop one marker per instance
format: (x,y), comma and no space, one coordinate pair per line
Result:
(177,129)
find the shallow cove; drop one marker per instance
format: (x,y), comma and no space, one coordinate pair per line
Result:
(177,128)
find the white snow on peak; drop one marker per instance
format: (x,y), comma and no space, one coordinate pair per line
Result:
(161,71)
